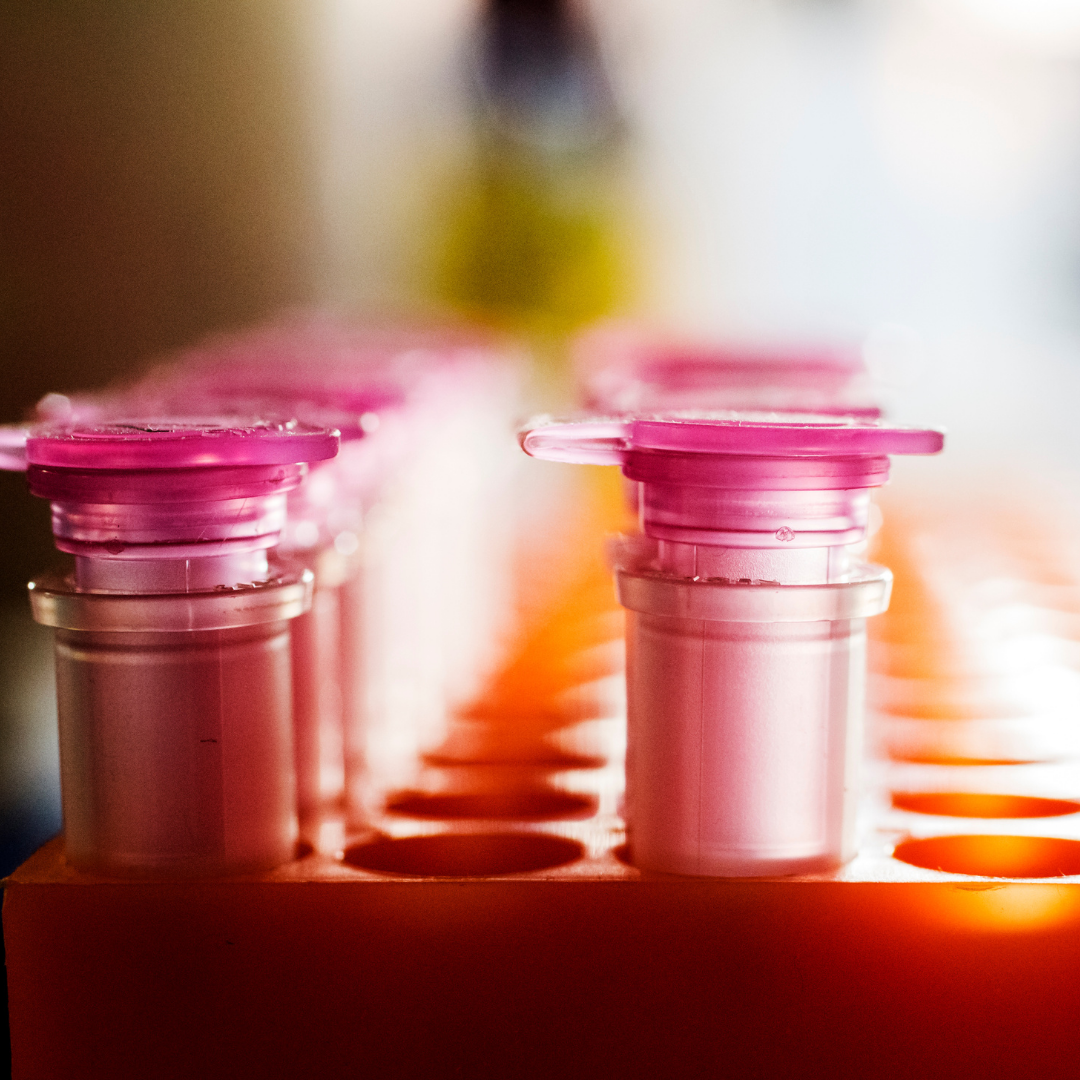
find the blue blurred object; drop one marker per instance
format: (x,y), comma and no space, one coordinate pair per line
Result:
(29,759)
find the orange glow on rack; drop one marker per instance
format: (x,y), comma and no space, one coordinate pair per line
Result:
(567,640)
(534,744)
(1014,907)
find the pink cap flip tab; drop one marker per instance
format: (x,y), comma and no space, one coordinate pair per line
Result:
(742,479)
(608,441)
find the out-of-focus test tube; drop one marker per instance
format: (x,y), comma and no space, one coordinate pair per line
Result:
(974,687)
(746,629)
(13,447)
(268,372)
(978,666)
(623,369)
(172,638)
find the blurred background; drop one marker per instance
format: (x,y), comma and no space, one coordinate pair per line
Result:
(899,174)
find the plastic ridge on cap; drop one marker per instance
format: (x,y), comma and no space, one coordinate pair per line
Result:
(180,444)
(607,441)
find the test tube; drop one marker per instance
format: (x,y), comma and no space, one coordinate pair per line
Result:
(172,639)
(623,369)
(216,381)
(323,532)
(746,629)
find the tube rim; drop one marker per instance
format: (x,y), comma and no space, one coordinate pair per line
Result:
(865,594)
(57,603)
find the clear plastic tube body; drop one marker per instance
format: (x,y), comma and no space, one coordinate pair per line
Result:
(743,744)
(745,707)
(175,742)
(175,726)
(175,749)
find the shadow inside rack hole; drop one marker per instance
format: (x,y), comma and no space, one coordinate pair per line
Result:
(537,805)
(464,855)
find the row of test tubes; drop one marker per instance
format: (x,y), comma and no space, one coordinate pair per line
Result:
(295,604)
(289,564)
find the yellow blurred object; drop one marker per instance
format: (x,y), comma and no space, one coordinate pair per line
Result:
(532,235)
(533,247)
(1002,908)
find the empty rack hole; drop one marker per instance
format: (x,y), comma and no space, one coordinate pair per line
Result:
(979,805)
(994,856)
(534,805)
(469,855)
(919,757)
(544,758)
